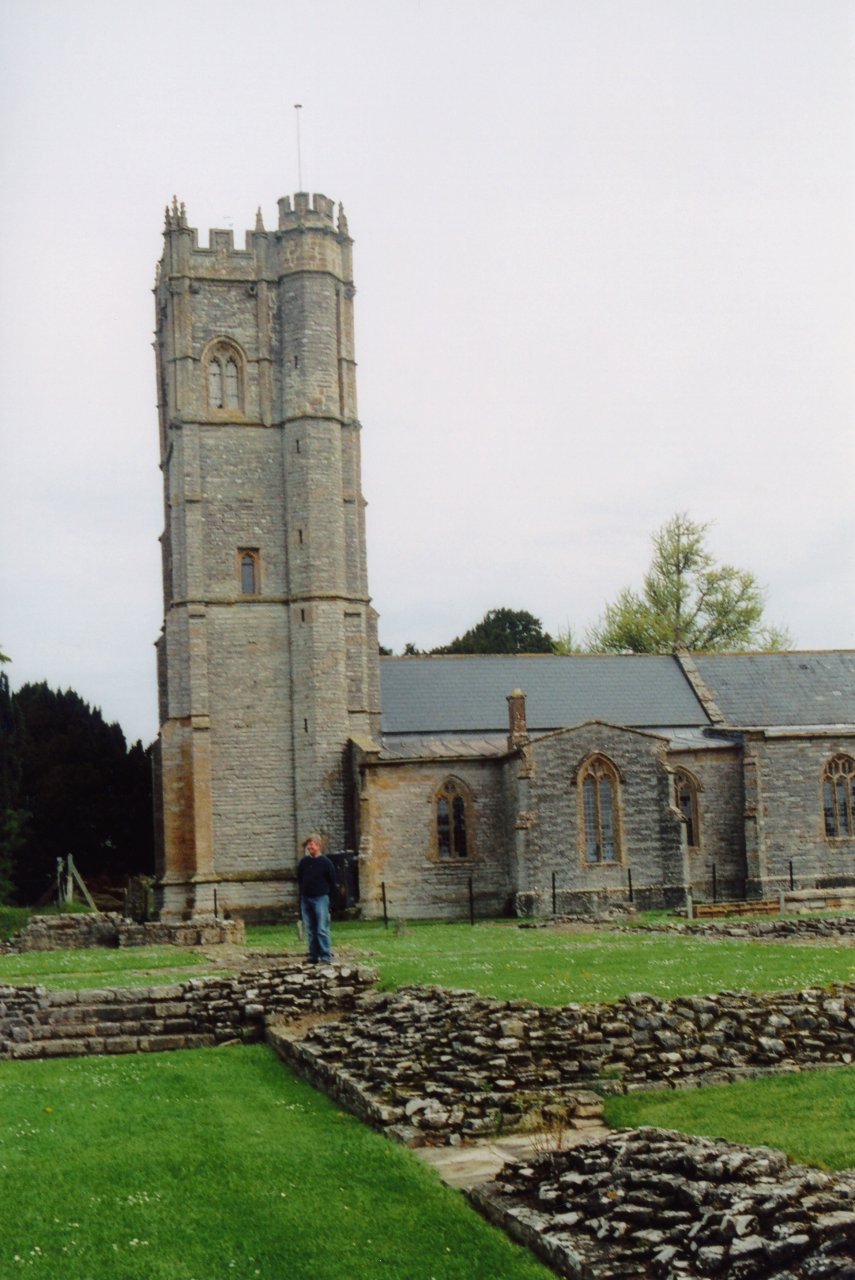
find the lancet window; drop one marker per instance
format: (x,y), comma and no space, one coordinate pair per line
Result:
(686,797)
(224,378)
(599,795)
(838,797)
(452,806)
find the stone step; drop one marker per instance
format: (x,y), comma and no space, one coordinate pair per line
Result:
(82,1046)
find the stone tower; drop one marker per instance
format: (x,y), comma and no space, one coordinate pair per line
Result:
(268,660)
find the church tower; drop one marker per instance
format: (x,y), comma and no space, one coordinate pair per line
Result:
(268,659)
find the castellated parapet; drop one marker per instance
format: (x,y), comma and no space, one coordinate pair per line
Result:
(268,656)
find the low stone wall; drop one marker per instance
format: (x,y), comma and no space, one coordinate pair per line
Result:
(443,1107)
(650,1202)
(200,1012)
(840,928)
(77,930)
(444,1066)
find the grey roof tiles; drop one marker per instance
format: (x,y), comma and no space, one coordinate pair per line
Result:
(452,695)
(788,688)
(467,694)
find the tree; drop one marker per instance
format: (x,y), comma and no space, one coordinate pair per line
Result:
(502,631)
(12,816)
(686,599)
(565,641)
(82,791)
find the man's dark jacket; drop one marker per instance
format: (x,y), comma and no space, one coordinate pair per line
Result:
(316,876)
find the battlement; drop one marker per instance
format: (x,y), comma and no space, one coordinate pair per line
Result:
(306,211)
(315,210)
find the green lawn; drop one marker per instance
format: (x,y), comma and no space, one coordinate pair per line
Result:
(556,967)
(811,1115)
(497,958)
(103,967)
(217,1163)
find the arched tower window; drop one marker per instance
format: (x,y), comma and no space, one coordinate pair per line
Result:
(215,384)
(224,376)
(686,799)
(453,824)
(231,396)
(250,572)
(598,786)
(838,797)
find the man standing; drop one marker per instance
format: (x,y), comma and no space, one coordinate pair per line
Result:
(317,884)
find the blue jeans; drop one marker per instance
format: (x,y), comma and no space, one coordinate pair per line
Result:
(316,918)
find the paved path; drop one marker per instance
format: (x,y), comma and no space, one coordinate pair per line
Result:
(466,1166)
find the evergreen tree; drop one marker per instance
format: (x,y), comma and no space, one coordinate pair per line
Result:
(12,816)
(85,793)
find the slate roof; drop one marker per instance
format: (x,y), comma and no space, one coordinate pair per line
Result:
(455,694)
(809,689)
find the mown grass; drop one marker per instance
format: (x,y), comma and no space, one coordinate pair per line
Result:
(549,966)
(214,1164)
(553,967)
(810,1116)
(103,967)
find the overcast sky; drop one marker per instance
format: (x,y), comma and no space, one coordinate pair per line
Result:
(604,263)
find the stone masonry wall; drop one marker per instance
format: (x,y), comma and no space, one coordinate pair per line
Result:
(650,827)
(35,1023)
(841,928)
(398,807)
(438,1065)
(108,929)
(720,821)
(790,770)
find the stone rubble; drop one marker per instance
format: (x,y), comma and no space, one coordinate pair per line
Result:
(653,1203)
(444,1066)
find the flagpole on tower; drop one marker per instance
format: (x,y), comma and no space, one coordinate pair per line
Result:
(298,107)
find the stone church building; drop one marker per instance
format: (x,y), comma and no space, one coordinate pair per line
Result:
(526,782)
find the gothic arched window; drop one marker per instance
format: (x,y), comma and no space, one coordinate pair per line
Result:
(224,377)
(452,808)
(686,798)
(215,384)
(248,561)
(838,797)
(599,802)
(231,396)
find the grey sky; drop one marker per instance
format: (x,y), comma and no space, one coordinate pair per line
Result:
(604,261)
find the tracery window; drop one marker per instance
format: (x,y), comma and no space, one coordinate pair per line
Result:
(250,571)
(838,797)
(599,790)
(686,797)
(452,804)
(223,372)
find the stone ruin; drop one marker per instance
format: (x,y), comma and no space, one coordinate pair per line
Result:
(74,931)
(643,1203)
(432,1066)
